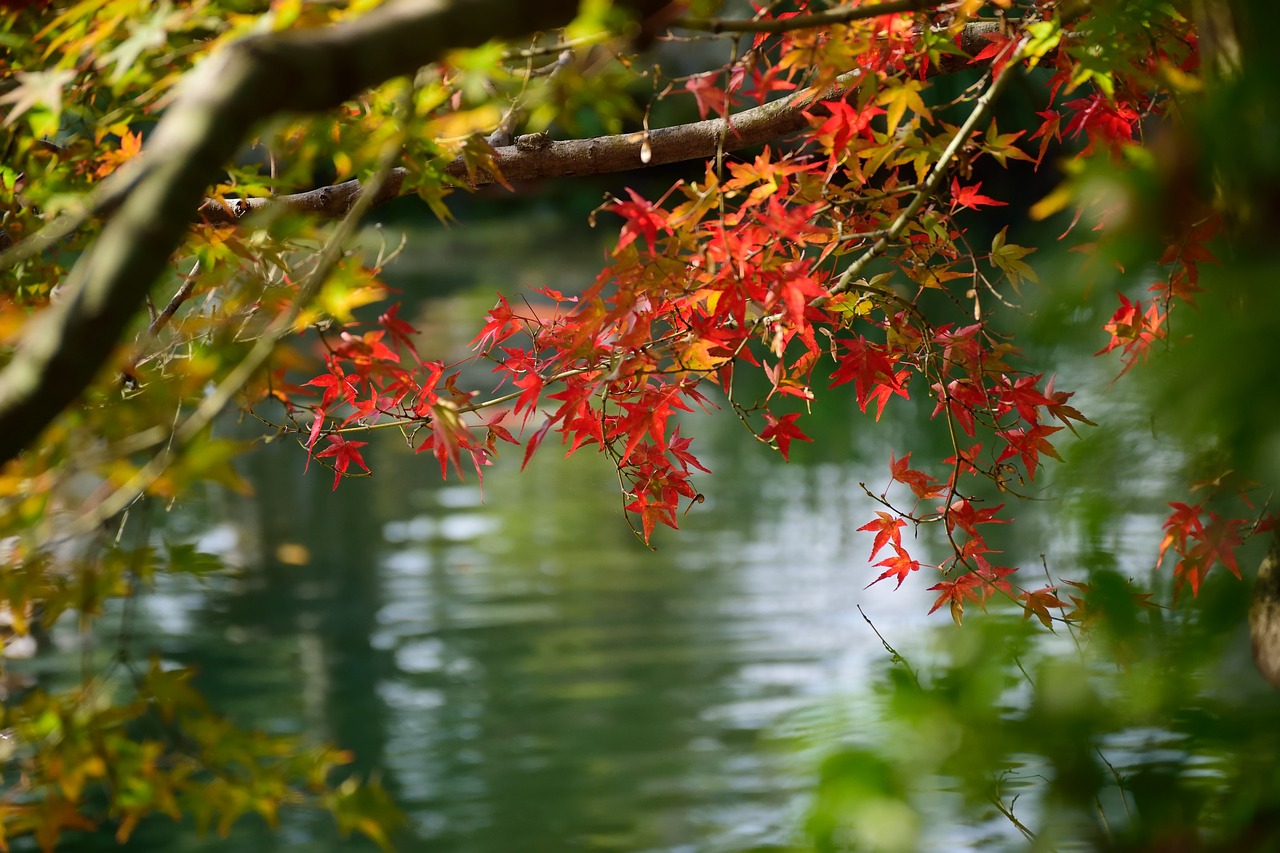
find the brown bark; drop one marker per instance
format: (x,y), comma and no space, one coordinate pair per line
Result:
(1264,617)
(534,156)
(596,156)
(827,18)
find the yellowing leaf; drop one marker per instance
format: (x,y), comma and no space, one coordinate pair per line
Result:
(898,99)
(37,89)
(698,356)
(1052,203)
(1008,258)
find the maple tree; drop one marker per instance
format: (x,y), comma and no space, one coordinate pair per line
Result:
(826,241)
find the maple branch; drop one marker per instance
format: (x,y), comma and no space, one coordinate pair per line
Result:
(537,156)
(214,110)
(801,22)
(534,156)
(1007,811)
(894,655)
(152,198)
(214,403)
(981,112)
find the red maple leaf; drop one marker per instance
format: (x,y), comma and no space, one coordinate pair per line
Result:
(867,365)
(993,577)
(1038,604)
(899,565)
(648,415)
(955,592)
(500,324)
(1133,330)
(1215,543)
(1182,524)
(921,484)
(1059,409)
(1021,395)
(679,448)
(343,453)
(962,397)
(888,530)
(643,218)
(999,51)
(962,462)
(1050,130)
(970,197)
(783,430)
(841,125)
(1102,121)
(336,384)
(449,436)
(651,512)
(1029,444)
(710,97)
(400,331)
(967,517)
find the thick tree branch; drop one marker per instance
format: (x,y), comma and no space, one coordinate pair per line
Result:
(215,109)
(535,156)
(801,22)
(532,159)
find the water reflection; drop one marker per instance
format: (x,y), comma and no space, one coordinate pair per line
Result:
(555,680)
(525,675)
(521,667)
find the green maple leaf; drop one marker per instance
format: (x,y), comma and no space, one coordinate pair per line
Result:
(143,36)
(38,89)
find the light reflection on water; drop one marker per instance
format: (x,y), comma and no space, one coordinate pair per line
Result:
(525,675)
(538,671)
(523,668)
(664,669)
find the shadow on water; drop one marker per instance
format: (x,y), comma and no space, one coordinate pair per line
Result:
(521,672)
(517,667)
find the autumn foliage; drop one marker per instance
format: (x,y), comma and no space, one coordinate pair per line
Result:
(810,263)
(852,259)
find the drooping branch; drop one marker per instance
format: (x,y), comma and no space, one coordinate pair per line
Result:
(214,111)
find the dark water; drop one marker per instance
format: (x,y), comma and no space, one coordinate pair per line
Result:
(523,674)
(522,667)
(519,670)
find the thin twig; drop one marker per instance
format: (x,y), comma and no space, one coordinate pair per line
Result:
(214,403)
(1008,813)
(894,654)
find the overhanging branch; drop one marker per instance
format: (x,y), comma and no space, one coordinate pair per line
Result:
(214,111)
(601,155)
(825,18)
(534,156)
(303,71)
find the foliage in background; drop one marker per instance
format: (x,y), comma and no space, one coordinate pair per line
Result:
(868,252)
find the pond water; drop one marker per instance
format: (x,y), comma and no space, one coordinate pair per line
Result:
(518,669)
